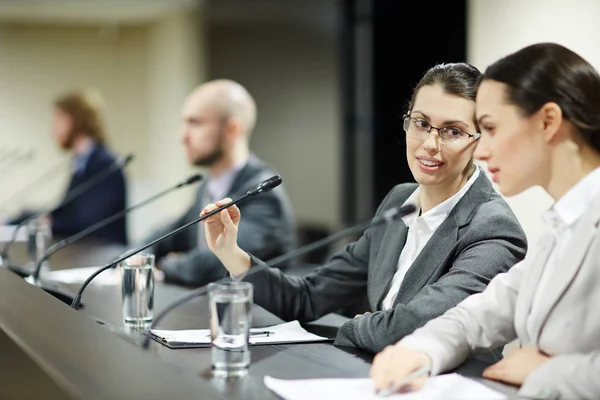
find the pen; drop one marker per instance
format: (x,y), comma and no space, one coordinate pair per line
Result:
(396,387)
(262,333)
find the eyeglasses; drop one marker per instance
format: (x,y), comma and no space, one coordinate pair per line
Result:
(418,128)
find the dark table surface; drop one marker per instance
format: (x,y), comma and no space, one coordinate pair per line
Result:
(89,352)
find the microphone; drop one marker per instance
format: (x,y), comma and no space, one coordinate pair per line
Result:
(34,277)
(262,187)
(386,216)
(71,195)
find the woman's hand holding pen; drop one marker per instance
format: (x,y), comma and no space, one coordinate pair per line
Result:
(399,369)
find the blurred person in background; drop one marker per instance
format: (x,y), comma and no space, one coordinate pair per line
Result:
(219,117)
(78,128)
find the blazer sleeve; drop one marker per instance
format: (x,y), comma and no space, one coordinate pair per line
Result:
(479,323)
(485,257)
(341,280)
(567,376)
(258,233)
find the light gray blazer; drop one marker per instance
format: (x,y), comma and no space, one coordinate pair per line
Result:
(566,325)
(480,238)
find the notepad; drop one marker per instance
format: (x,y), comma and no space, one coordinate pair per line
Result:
(442,387)
(289,332)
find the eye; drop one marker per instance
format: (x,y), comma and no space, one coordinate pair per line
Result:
(421,124)
(454,131)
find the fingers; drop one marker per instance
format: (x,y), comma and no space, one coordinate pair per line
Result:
(226,220)
(233,211)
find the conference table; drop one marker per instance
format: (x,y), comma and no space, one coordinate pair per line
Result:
(52,351)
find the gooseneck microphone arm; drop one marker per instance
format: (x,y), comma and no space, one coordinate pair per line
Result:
(78,191)
(385,217)
(101,224)
(264,186)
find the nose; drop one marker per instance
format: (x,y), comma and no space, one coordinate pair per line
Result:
(433,142)
(482,149)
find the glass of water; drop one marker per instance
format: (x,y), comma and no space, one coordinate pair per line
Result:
(137,287)
(39,232)
(230,321)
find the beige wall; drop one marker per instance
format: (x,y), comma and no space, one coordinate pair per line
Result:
(292,72)
(144,71)
(497,27)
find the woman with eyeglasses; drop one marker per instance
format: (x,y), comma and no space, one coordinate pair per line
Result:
(539,112)
(414,269)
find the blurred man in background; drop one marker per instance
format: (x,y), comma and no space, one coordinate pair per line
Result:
(78,127)
(218,119)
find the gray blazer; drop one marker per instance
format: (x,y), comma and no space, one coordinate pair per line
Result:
(480,238)
(565,327)
(267,229)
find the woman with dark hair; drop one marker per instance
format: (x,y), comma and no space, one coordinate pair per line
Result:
(539,113)
(414,269)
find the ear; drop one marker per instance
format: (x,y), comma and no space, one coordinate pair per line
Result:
(233,129)
(551,118)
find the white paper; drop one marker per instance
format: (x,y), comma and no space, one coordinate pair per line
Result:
(282,333)
(79,275)
(442,387)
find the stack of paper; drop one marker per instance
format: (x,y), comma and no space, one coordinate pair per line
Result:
(289,332)
(442,387)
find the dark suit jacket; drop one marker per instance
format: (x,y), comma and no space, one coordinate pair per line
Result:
(267,229)
(480,238)
(99,202)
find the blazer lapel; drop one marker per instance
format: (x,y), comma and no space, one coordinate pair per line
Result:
(428,260)
(568,264)
(387,261)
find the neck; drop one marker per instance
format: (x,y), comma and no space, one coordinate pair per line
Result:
(434,195)
(81,145)
(570,163)
(239,154)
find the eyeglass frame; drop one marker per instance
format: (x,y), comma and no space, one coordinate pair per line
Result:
(407,117)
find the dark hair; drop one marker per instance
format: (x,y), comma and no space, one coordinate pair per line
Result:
(548,72)
(458,79)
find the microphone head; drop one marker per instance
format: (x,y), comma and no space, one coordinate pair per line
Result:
(123,161)
(266,185)
(193,179)
(397,213)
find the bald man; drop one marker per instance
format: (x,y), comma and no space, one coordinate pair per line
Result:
(218,120)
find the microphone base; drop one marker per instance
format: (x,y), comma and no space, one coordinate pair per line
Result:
(52,288)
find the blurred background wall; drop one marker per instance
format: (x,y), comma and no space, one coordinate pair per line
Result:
(331,79)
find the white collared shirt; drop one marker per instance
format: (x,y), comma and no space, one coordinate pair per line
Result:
(561,219)
(420,230)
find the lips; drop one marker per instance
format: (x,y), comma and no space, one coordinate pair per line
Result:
(494,173)
(428,164)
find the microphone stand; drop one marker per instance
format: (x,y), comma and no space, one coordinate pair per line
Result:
(265,186)
(34,277)
(385,217)
(78,191)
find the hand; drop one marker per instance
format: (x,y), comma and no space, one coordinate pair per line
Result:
(394,363)
(360,315)
(516,367)
(221,237)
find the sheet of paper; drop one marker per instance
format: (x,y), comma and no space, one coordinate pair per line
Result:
(282,333)
(79,275)
(442,387)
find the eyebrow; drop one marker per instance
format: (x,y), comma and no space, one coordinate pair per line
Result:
(449,122)
(480,119)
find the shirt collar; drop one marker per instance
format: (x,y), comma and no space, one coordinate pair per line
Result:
(571,206)
(219,186)
(434,217)
(83,157)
